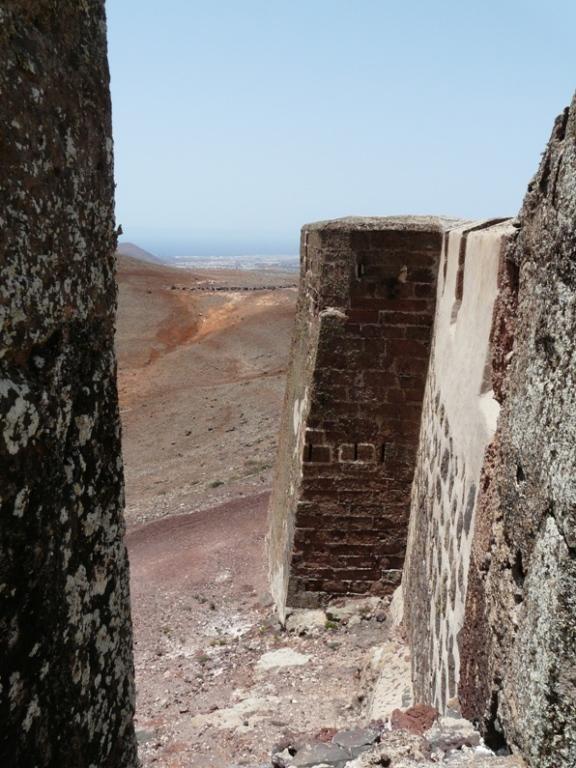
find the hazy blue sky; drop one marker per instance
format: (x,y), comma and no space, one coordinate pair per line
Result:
(236,121)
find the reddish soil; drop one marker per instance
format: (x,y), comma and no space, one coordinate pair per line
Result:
(166,552)
(203,620)
(201,381)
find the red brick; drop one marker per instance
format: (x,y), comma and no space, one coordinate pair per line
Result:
(393,331)
(422,275)
(407,240)
(365,574)
(359,240)
(379,378)
(351,549)
(394,395)
(350,523)
(359,299)
(412,365)
(311,493)
(366,452)
(346,452)
(406,318)
(315,436)
(418,332)
(406,305)
(424,290)
(360,587)
(336,587)
(413,395)
(408,348)
(363,562)
(363,315)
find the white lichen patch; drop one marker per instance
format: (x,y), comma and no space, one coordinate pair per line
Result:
(76,591)
(16,689)
(85,425)
(100,581)
(21,501)
(21,421)
(32,712)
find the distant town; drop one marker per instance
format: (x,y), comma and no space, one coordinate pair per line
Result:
(273,263)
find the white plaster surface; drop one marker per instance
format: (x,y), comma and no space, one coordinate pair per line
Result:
(459,419)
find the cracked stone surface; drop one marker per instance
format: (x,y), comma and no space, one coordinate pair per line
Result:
(519,639)
(65,634)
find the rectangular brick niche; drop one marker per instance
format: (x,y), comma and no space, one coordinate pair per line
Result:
(341,500)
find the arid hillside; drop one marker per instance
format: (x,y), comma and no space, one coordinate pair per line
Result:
(201,379)
(219,682)
(202,359)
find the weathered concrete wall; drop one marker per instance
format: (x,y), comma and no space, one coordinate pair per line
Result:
(459,420)
(66,695)
(490,577)
(518,645)
(339,511)
(489,583)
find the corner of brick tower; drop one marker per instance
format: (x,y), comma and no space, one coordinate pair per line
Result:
(341,499)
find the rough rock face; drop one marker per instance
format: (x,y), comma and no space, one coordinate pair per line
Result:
(66,695)
(340,505)
(518,645)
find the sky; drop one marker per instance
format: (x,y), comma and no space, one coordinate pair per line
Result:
(238,121)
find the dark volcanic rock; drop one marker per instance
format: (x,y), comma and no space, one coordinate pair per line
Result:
(65,635)
(356,738)
(518,644)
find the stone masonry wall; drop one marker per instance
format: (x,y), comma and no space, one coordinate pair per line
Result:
(459,420)
(481,414)
(518,644)
(490,578)
(340,504)
(66,678)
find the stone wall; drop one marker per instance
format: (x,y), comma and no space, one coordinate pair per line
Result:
(459,420)
(490,578)
(340,505)
(518,645)
(478,418)
(66,677)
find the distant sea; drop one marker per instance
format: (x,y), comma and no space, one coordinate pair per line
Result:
(273,263)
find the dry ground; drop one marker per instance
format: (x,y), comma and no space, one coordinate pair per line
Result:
(219,682)
(203,623)
(201,380)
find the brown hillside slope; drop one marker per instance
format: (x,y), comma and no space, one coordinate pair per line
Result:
(201,378)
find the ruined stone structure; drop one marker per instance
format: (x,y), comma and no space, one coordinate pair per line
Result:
(66,677)
(459,420)
(340,506)
(490,580)
(518,643)
(482,459)
(430,413)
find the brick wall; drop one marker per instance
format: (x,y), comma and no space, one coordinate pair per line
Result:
(340,506)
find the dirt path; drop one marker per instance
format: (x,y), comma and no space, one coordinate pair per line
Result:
(219,682)
(183,552)
(209,693)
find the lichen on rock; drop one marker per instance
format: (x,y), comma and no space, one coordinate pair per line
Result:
(67,691)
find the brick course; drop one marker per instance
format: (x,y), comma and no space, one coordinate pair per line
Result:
(365,316)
